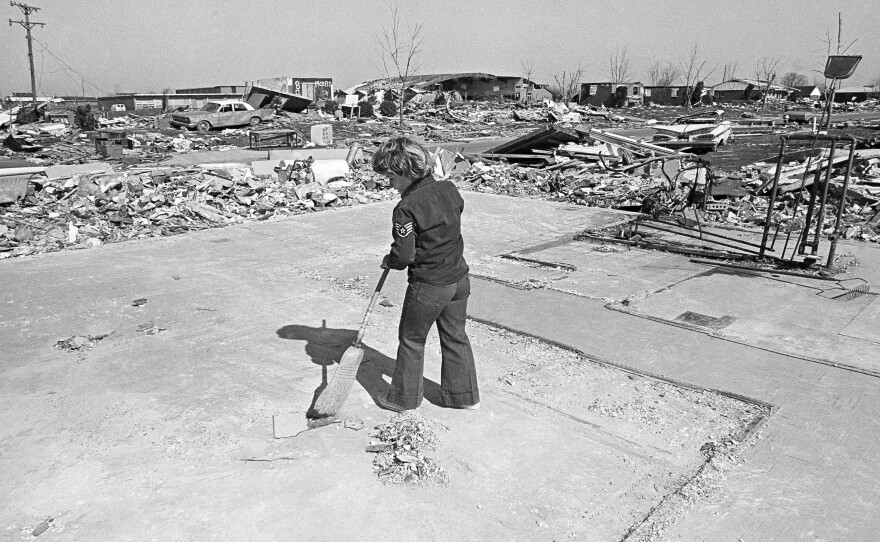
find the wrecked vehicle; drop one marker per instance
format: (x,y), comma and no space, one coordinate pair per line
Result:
(699,132)
(221,114)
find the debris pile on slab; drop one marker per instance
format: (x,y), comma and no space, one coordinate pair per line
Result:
(576,185)
(861,216)
(88,209)
(400,447)
(601,169)
(80,342)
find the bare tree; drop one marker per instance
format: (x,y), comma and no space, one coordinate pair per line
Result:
(840,49)
(528,68)
(729,72)
(668,75)
(765,72)
(876,83)
(568,83)
(401,52)
(694,69)
(793,79)
(662,75)
(618,66)
(654,71)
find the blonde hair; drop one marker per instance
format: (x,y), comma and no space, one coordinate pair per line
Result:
(403,156)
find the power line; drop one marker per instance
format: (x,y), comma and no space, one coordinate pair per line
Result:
(27,24)
(63,70)
(82,77)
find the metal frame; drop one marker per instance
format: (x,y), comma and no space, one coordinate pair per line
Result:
(804,235)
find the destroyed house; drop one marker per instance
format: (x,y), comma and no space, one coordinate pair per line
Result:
(811,92)
(293,94)
(734,90)
(609,94)
(511,87)
(665,95)
(855,94)
(221,89)
(469,85)
(72,101)
(137,101)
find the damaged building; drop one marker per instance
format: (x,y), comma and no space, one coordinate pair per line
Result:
(610,94)
(292,94)
(674,95)
(464,86)
(734,90)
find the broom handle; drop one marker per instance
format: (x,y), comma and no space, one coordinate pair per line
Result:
(360,335)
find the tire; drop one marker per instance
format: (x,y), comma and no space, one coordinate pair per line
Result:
(255,121)
(203,126)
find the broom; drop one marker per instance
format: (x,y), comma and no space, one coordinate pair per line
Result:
(334,395)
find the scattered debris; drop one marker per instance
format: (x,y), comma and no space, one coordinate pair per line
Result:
(400,453)
(63,188)
(355,424)
(80,342)
(150,328)
(139,302)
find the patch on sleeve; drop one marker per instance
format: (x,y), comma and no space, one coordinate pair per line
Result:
(403,229)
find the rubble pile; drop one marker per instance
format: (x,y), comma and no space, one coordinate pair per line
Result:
(590,188)
(60,145)
(400,447)
(80,342)
(90,209)
(558,152)
(861,216)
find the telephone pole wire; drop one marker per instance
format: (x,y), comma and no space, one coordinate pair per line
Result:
(27,24)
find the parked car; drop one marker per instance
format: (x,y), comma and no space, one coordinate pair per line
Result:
(220,114)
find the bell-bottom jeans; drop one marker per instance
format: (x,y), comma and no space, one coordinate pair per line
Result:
(424,305)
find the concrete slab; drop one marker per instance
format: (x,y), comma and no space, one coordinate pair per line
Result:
(315,152)
(69,170)
(815,454)
(243,156)
(164,428)
(866,324)
(774,314)
(170,435)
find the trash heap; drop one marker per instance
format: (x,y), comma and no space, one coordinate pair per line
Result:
(131,145)
(400,447)
(601,169)
(90,209)
(861,215)
(590,188)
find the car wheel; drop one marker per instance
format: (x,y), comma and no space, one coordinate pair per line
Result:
(203,126)
(256,121)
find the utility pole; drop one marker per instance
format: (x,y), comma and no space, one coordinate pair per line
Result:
(27,24)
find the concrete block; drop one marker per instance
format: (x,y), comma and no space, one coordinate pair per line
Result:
(264,167)
(322,135)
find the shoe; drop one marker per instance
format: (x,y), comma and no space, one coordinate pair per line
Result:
(384,402)
(469,407)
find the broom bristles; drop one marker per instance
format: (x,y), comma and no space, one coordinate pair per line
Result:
(336,392)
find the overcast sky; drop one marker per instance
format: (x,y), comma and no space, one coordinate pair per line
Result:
(147,45)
